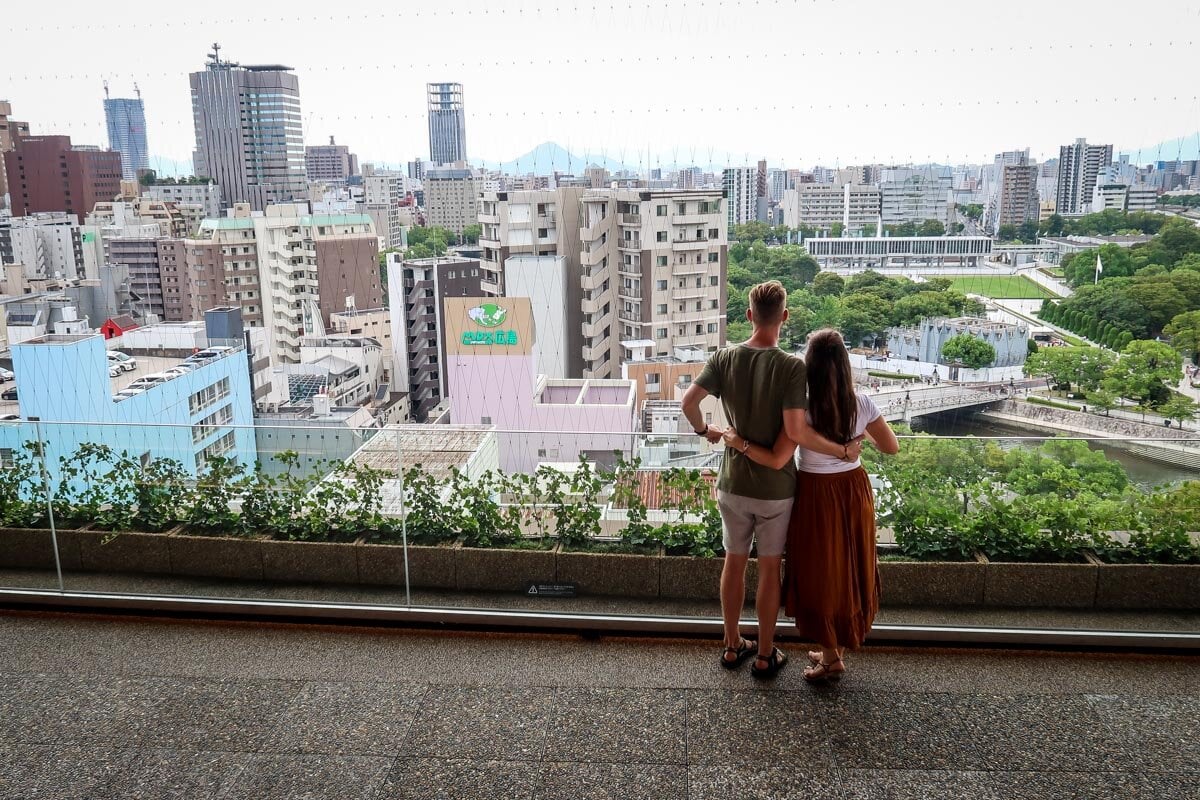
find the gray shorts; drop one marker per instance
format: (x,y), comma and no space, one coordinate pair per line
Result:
(745,520)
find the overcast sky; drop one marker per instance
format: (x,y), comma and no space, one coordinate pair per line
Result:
(799,82)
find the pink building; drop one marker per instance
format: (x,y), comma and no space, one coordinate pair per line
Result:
(490,358)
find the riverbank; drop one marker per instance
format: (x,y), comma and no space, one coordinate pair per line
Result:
(1154,442)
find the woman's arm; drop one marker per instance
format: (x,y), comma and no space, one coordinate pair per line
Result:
(774,457)
(795,425)
(883,437)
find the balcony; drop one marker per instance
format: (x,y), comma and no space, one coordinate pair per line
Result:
(629,219)
(690,244)
(630,244)
(712,218)
(489,219)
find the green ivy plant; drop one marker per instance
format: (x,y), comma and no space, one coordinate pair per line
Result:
(22,492)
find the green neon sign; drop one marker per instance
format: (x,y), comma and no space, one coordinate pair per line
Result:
(497,338)
(489,315)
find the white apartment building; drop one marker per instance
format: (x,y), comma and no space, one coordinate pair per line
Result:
(47,245)
(451,198)
(1079,167)
(741,195)
(821,205)
(653,268)
(375,323)
(1122,197)
(204,197)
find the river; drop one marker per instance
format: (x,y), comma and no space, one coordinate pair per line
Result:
(1141,471)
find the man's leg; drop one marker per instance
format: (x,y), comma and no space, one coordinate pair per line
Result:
(767,603)
(733,596)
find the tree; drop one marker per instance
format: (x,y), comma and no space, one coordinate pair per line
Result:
(1142,372)
(1028,232)
(828,284)
(969,351)
(471,233)
(864,315)
(837,229)
(973,211)
(148,178)
(753,231)
(1006,232)
(931,227)
(1103,400)
(1179,408)
(1052,225)
(1064,366)
(1184,333)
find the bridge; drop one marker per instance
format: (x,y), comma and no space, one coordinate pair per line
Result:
(900,405)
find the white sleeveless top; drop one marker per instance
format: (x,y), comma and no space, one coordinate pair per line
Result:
(811,461)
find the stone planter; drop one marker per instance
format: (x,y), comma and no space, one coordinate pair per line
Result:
(196,555)
(499,570)
(1015,584)
(122,551)
(1147,586)
(620,574)
(690,578)
(32,548)
(315,562)
(932,583)
(429,566)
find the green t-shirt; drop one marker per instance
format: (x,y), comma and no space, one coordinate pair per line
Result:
(755,386)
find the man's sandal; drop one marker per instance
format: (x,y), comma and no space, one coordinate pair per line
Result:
(774,663)
(824,673)
(745,649)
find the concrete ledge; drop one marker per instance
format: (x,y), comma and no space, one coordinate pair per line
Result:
(934,583)
(622,574)
(691,578)
(216,557)
(503,570)
(123,551)
(319,562)
(1148,586)
(1040,585)
(32,548)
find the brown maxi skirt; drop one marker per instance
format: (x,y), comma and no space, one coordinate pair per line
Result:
(831,584)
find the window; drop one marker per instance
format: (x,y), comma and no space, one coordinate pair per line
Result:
(714,304)
(699,329)
(713,280)
(699,282)
(450,275)
(713,258)
(662,308)
(661,261)
(712,327)
(660,211)
(542,233)
(661,333)
(681,208)
(662,286)
(713,233)
(485,420)
(652,377)
(661,236)
(6,458)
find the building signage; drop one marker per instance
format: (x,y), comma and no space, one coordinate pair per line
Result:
(488,326)
(489,315)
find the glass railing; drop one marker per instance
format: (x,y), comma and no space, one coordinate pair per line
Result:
(1079,531)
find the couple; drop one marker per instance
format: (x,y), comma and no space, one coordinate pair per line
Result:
(824,514)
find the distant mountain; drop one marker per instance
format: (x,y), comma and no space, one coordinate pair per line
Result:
(550,157)
(1185,148)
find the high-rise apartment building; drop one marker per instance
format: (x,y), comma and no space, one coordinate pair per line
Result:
(195,198)
(447,123)
(9,130)
(48,245)
(653,267)
(1018,194)
(451,198)
(741,195)
(330,163)
(1079,165)
(530,247)
(249,137)
(48,173)
(915,195)
(126,119)
(417,289)
(288,270)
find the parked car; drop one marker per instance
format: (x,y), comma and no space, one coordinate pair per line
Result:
(209,353)
(126,393)
(9,417)
(179,369)
(6,375)
(125,362)
(9,394)
(147,381)
(113,370)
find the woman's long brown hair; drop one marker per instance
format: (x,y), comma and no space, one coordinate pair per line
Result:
(831,401)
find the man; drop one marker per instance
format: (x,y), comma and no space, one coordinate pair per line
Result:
(763,390)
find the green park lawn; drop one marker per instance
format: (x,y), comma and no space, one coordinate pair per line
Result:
(1002,287)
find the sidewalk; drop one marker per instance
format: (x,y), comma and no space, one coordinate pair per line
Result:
(129,708)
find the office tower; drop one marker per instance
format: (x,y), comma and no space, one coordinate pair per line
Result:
(447,123)
(330,163)
(417,289)
(126,120)
(653,267)
(741,194)
(1079,165)
(248,133)
(287,269)
(9,130)
(451,198)
(384,192)
(915,195)
(416,169)
(823,205)
(48,173)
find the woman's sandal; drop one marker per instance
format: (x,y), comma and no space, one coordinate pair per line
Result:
(745,649)
(774,662)
(822,672)
(815,656)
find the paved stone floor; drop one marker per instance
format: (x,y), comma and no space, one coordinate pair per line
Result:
(98,708)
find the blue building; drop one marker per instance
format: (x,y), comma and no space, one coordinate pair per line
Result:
(64,384)
(126,119)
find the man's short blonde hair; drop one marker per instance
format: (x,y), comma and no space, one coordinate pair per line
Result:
(767,302)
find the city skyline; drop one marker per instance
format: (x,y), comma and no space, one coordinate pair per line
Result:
(945,93)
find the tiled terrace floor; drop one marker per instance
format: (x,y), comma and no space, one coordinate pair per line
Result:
(130,708)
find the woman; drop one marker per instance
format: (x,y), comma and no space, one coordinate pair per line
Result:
(830,585)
